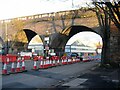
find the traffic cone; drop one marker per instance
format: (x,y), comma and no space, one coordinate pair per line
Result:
(64,58)
(53,61)
(4,71)
(41,64)
(35,65)
(23,65)
(40,58)
(12,68)
(18,70)
(69,60)
(50,62)
(46,63)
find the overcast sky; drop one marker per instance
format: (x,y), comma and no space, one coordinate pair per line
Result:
(17,8)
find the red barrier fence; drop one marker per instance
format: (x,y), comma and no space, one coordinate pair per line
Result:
(17,63)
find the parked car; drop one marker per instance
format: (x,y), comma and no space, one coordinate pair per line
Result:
(73,55)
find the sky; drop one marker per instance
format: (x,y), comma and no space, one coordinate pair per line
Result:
(17,8)
(87,38)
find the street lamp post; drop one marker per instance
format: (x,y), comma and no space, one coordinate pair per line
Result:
(6,32)
(46,43)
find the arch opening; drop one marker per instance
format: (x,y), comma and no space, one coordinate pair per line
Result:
(60,41)
(36,45)
(20,40)
(85,44)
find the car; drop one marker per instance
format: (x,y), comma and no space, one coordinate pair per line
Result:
(73,55)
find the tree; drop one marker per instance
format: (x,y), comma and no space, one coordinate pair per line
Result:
(107,12)
(109,8)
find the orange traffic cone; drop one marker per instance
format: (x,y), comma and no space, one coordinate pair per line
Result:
(41,64)
(12,68)
(23,65)
(4,71)
(35,65)
(46,63)
(18,70)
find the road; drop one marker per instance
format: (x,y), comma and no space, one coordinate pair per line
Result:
(46,78)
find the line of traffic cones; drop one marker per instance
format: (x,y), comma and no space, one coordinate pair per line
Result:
(13,70)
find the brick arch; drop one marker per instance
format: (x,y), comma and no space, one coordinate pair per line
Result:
(60,39)
(72,30)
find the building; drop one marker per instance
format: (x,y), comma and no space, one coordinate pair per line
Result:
(80,48)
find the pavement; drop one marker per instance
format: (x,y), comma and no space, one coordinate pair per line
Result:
(97,78)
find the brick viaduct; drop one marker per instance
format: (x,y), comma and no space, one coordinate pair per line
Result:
(60,27)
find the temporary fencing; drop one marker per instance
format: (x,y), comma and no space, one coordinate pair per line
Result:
(8,59)
(16,64)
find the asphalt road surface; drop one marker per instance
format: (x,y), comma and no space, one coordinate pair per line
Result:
(75,75)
